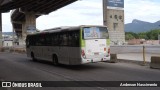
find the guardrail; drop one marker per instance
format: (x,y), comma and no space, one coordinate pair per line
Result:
(155,62)
(17,49)
(154,49)
(142,53)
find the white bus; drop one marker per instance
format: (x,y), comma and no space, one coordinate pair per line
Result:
(70,45)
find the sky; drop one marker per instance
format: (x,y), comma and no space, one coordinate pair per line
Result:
(90,12)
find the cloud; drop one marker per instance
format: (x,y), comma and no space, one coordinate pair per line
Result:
(146,10)
(85,12)
(79,13)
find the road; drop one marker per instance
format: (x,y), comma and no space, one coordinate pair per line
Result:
(17,67)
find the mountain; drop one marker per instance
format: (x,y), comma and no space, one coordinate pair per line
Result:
(136,26)
(141,26)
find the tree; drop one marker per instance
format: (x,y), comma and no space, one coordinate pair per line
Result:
(150,35)
(129,36)
(143,35)
(153,34)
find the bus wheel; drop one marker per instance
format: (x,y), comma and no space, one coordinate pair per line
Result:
(32,56)
(55,60)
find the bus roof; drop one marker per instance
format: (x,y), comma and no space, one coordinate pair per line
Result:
(71,27)
(65,28)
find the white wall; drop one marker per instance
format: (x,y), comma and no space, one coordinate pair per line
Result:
(7,43)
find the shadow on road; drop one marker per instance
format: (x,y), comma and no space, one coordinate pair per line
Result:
(89,66)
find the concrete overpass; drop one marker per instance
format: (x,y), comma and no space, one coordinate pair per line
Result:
(25,12)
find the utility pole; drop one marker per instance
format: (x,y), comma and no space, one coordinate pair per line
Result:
(1,30)
(159,38)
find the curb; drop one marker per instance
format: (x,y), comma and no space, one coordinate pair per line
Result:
(133,62)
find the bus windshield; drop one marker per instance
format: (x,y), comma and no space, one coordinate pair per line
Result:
(95,33)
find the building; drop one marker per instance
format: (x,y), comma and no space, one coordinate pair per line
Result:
(143,42)
(8,40)
(7,43)
(113,11)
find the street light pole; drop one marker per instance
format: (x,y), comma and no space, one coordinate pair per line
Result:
(159,38)
(1,30)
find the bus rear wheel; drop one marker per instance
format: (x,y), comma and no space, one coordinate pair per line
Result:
(55,60)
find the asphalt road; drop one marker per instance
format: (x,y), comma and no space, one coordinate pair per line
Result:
(17,67)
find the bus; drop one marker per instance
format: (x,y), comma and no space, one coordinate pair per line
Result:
(70,45)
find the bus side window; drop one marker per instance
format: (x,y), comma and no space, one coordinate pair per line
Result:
(60,41)
(48,40)
(52,39)
(40,40)
(56,39)
(32,40)
(70,38)
(36,41)
(63,39)
(77,36)
(74,38)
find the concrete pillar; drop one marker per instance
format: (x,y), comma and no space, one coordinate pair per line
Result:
(1,44)
(27,25)
(22,37)
(14,37)
(113,14)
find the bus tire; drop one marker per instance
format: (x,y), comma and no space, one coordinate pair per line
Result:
(55,60)
(32,56)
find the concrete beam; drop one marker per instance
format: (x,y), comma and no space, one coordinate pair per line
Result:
(17,22)
(30,18)
(3,2)
(1,30)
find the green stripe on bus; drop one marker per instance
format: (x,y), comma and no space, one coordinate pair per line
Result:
(108,41)
(82,42)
